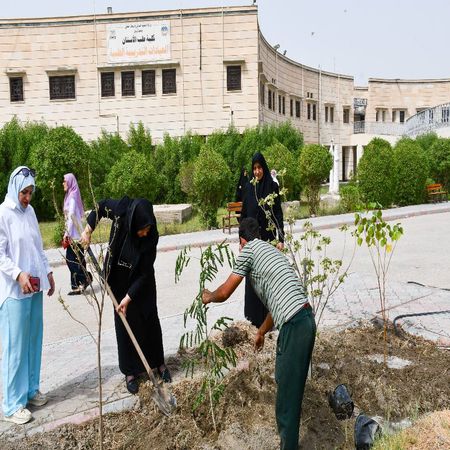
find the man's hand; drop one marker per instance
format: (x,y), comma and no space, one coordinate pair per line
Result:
(52,284)
(24,280)
(207,296)
(122,308)
(259,340)
(280,246)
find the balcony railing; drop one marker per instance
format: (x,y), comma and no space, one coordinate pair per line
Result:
(428,120)
(379,128)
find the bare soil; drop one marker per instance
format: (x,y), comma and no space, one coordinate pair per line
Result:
(245,414)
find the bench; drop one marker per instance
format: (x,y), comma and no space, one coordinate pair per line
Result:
(436,193)
(231,219)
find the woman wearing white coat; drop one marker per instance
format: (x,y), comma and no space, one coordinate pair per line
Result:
(24,273)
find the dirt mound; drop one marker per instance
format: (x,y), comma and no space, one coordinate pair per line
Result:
(245,414)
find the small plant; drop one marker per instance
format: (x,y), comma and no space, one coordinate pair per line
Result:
(381,239)
(209,356)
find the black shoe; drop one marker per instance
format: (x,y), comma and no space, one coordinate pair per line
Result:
(76,291)
(165,375)
(132,385)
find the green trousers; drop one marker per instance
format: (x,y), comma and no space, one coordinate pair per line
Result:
(294,349)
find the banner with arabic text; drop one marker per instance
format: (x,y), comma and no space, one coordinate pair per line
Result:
(138,42)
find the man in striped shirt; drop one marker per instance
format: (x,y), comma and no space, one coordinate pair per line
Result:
(281,291)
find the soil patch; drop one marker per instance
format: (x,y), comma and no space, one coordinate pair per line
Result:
(245,415)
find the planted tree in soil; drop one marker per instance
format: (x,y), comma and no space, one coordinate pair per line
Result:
(381,239)
(209,357)
(97,302)
(320,274)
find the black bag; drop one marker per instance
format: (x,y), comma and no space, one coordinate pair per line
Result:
(367,430)
(341,402)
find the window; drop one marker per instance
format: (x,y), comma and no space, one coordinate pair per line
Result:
(383,115)
(269,97)
(279,104)
(262,93)
(314,111)
(377,115)
(346,114)
(297,108)
(148,82)
(326,113)
(128,84)
(233,78)
(401,116)
(284,106)
(273,101)
(394,115)
(107,82)
(169,81)
(16,89)
(62,87)
(291,107)
(308,107)
(445,114)
(332,114)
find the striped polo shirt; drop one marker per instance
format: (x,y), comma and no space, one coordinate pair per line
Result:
(273,279)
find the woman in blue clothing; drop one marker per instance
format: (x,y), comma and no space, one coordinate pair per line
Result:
(24,274)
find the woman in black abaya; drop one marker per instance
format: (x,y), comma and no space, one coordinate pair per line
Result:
(131,276)
(242,183)
(254,310)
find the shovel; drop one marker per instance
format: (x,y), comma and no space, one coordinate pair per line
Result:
(165,400)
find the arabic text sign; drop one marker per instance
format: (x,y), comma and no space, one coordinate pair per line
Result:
(138,42)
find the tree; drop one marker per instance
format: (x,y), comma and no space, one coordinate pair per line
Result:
(133,175)
(315,165)
(278,157)
(375,173)
(61,151)
(211,183)
(410,171)
(440,161)
(140,139)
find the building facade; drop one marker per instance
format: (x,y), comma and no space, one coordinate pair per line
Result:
(198,70)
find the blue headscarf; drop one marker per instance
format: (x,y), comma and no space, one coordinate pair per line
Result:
(18,182)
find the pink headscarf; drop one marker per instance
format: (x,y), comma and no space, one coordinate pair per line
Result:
(73,191)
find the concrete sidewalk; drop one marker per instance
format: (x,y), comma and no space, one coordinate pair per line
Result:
(205,238)
(69,365)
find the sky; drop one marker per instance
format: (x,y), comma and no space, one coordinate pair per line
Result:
(363,38)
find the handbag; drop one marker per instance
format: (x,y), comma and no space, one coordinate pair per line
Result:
(65,243)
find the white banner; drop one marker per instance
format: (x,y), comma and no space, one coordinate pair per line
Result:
(138,42)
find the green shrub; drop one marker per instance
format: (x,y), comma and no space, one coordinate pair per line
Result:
(186,179)
(315,164)
(168,158)
(350,198)
(374,173)
(60,152)
(211,183)
(285,133)
(133,175)
(410,170)
(106,150)
(139,139)
(439,158)
(278,157)
(426,141)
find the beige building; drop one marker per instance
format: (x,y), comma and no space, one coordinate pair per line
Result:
(200,70)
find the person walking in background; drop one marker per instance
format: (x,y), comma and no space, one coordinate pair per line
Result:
(73,210)
(242,183)
(24,274)
(130,274)
(273,173)
(254,310)
(282,293)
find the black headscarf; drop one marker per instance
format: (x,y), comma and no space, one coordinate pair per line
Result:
(243,180)
(138,215)
(265,185)
(251,207)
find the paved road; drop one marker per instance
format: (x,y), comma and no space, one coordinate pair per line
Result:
(69,369)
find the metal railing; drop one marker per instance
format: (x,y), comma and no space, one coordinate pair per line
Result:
(428,120)
(379,128)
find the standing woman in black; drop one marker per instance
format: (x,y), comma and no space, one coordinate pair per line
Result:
(131,276)
(242,183)
(254,310)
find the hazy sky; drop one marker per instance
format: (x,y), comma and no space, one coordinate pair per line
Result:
(363,38)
